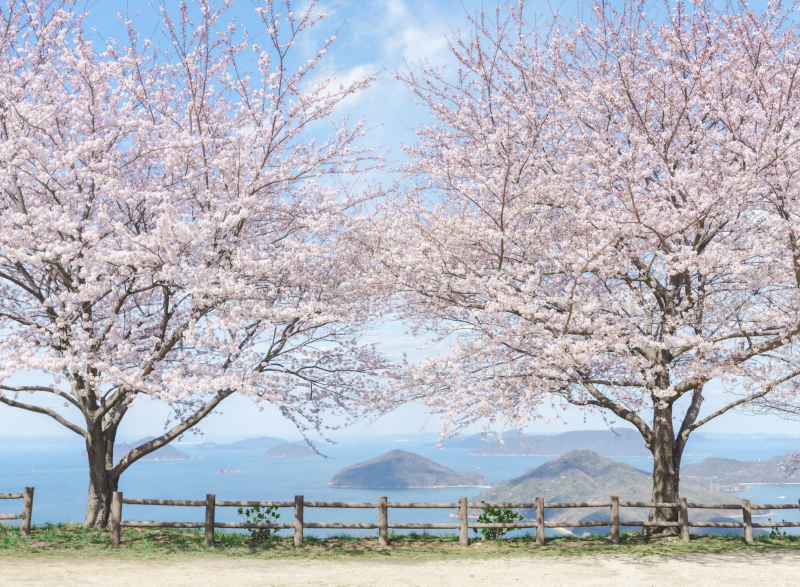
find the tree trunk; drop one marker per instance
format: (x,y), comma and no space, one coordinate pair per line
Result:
(100,450)
(677,456)
(665,472)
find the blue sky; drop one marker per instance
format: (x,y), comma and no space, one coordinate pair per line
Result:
(375,35)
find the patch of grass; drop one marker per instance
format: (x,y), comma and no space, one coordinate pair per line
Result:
(73,539)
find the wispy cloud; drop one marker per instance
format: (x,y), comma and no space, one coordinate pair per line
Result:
(413,33)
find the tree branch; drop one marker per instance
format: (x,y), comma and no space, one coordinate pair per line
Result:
(46,411)
(623,413)
(148,447)
(22,388)
(688,420)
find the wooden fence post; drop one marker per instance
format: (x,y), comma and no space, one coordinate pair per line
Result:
(540,521)
(115,517)
(748,521)
(211,505)
(27,511)
(463,522)
(383,521)
(684,518)
(298,520)
(614,519)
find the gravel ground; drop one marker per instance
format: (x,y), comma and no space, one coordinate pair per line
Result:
(738,568)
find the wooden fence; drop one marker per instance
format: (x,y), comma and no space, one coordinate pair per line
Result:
(27,509)
(463,526)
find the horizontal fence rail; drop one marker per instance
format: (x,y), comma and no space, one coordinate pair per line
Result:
(27,510)
(463,526)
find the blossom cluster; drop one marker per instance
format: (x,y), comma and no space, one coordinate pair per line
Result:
(604,213)
(170,225)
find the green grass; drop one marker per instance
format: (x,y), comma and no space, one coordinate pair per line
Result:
(73,539)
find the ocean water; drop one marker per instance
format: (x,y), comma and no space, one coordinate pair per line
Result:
(59,475)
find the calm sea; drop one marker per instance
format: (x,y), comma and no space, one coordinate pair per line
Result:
(59,475)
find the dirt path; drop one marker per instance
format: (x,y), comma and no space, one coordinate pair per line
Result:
(719,569)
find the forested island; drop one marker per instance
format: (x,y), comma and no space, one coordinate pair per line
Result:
(259,443)
(289,450)
(402,469)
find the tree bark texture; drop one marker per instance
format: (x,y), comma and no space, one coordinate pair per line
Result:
(102,482)
(666,468)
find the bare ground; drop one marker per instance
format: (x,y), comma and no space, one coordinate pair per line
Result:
(735,568)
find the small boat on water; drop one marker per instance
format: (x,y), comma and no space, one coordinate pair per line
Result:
(229,470)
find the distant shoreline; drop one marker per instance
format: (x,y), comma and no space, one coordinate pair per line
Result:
(764,483)
(560,455)
(404,487)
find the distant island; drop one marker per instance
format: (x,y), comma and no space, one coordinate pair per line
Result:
(260,443)
(583,475)
(735,475)
(165,453)
(610,443)
(288,450)
(399,469)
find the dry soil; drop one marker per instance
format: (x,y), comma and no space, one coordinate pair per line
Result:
(618,570)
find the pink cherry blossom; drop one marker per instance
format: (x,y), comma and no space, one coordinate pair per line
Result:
(603,213)
(171,226)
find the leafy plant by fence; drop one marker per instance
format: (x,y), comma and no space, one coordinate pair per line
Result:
(492,515)
(776,533)
(258,515)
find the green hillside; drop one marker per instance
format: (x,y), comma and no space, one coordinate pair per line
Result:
(583,475)
(401,469)
(732,474)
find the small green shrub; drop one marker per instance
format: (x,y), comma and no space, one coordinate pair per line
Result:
(496,516)
(259,515)
(776,533)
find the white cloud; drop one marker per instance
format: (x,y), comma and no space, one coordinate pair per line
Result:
(413,36)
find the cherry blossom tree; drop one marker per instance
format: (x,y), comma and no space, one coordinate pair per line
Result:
(603,213)
(170,227)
